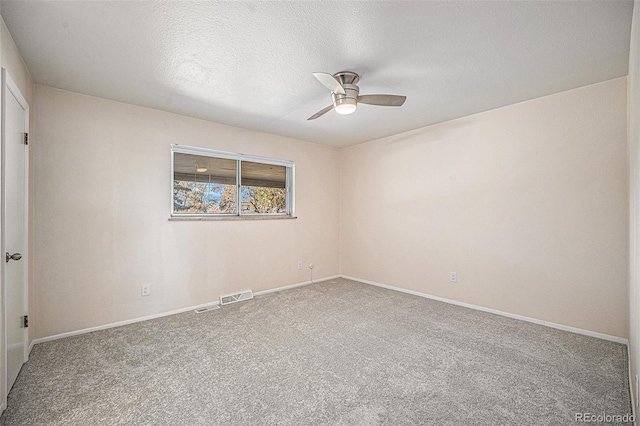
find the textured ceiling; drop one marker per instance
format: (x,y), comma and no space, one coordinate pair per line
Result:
(250,64)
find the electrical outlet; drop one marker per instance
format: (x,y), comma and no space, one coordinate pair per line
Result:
(145,290)
(300,264)
(453,277)
(311,266)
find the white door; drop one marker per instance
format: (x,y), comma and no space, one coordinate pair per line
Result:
(15,123)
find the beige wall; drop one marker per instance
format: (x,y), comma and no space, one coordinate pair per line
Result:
(102,200)
(633,114)
(11,60)
(527,203)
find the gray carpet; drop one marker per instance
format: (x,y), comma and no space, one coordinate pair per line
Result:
(332,353)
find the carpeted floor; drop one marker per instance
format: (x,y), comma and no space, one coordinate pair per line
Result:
(332,353)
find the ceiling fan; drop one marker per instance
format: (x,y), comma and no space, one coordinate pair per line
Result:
(345,94)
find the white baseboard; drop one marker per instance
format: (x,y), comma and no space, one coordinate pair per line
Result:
(415,293)
(119,323)
(608,337)
(288,287)
(162,314)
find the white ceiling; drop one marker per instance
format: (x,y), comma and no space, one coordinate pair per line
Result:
(249,64)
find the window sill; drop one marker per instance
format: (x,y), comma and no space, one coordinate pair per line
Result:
(218,218)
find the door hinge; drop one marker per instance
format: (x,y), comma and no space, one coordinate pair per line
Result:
(26,138)
(25,321)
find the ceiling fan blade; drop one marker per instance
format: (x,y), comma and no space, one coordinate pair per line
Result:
(382,100)
(321,112)
(329,82)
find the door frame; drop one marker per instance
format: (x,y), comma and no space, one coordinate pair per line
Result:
(8,85)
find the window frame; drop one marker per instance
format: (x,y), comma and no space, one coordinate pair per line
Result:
(238,158)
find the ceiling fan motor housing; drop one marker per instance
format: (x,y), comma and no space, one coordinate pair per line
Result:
(348,80)
(350,97)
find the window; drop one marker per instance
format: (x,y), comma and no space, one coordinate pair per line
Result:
(217,183)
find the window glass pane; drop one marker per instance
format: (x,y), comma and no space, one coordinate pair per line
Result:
(203,185)
(263,188)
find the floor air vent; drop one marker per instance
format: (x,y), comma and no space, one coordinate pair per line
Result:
(207,309)
(232,298)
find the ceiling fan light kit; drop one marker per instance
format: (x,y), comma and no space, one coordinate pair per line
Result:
(344,107)
(346,94)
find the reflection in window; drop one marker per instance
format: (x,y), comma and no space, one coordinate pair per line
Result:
(204,185)
(263,188)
